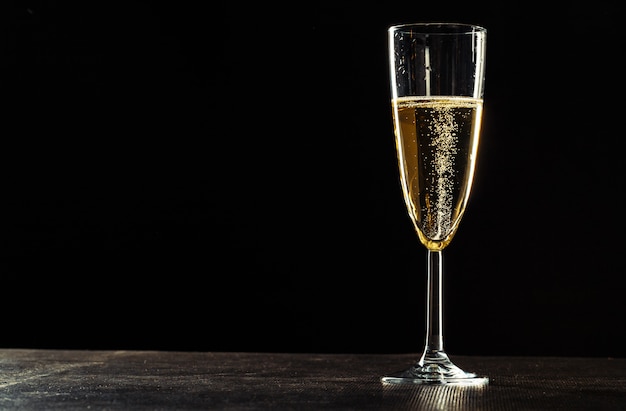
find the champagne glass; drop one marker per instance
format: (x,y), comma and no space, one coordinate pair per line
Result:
(437,75)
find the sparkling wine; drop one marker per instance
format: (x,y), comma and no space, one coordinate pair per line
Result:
(437,142)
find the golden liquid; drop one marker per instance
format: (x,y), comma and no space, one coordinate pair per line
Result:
(437,143)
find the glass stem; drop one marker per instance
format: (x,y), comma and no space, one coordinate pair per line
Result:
(433,351)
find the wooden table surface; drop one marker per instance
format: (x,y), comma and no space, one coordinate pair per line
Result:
(160,380)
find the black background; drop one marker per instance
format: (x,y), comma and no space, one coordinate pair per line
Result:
(222,176)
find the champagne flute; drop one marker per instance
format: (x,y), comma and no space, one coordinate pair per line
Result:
(437,75)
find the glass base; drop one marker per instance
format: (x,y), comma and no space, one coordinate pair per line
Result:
(437,371)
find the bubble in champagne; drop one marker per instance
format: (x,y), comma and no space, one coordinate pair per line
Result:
(444,143)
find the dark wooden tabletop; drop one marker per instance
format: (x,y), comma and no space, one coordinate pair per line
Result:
(160,380)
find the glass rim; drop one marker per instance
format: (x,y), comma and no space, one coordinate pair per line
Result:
(439,28)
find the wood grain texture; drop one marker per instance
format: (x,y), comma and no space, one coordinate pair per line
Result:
(160,380)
